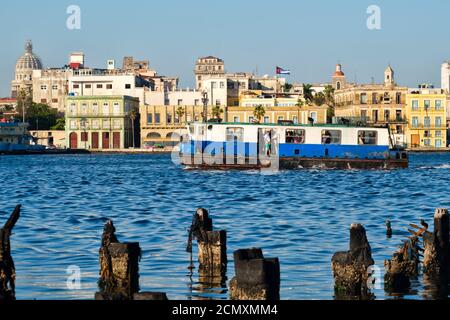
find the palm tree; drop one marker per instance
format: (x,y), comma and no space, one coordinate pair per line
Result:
(180,113)
(259,112)
(299,106)
(133,116)
(319,99)
(308,92)
(217,112)
(329,100)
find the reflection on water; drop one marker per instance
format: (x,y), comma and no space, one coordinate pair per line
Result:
(302,217)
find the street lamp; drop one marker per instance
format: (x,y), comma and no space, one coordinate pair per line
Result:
(205,106)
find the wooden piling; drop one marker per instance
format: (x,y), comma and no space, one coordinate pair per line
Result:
(212,245)
(257,278)
(402,267)
(436,245)
(350,268)
(119,267)
(7,268)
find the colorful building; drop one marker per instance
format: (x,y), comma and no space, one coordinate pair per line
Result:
(102,122)
(426,111)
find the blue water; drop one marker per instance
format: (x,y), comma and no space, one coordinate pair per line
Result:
(302,217)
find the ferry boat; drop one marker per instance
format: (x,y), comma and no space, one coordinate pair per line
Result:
(289,146)
(15,139)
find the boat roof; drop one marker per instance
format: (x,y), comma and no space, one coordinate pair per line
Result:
(327,125)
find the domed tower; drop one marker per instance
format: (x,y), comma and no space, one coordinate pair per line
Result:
(339,81)
(24,70)
(389,77)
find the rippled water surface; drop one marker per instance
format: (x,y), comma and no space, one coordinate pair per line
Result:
(302,217)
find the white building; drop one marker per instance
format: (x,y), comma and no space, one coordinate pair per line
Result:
(445,76)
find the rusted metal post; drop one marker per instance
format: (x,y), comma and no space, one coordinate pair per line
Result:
(436,245)
(7,268)
(119,267)
(257,278)
(351,268)
(212,245)
(403,266)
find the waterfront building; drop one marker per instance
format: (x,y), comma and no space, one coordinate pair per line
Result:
(50,87)
(26,64)
(208,66)
(426,111)
(375,104)
(101,122)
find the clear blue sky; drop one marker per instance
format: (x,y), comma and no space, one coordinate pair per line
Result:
(308,37)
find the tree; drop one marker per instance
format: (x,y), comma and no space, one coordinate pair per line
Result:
(180,113)
(287,87)
(217,112)
(24,102)
(329,100)
(259,112)
(60,124)
(133,116)
(308,92)
(299,106)
(41,116)
(319,99)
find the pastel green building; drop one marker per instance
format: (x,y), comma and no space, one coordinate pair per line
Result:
(102,122)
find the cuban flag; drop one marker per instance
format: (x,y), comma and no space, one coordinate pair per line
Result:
(282,71)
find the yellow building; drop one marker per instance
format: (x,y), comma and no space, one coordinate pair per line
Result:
(426,112)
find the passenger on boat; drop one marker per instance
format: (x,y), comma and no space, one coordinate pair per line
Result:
(268,142)
(326,138)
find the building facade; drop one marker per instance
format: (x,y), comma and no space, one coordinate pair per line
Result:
(102,122)
(426,111)
(374,104)
(50,138)
(51,86)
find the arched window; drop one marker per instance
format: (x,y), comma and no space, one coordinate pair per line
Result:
(173,135)
(338,85)
(154,135)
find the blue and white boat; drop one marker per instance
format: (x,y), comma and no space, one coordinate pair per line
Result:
(15,139)
(289,146)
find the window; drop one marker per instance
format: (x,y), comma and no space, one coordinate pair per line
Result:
(222,85)
(314,116)
(43,87)
(109,86)
(438,134)
(438,105)
(295,119)
(106,124)
(95,108)
(169,118)
(117,124)
(99,86)
(427,104)
(88,86)
(415,122)
(280,119)
(427,122)
(106,108)
(157,118)
(116,109)
(415,105)
(363,98)
(331,136)
(73,109)
(427,134)
(95,124)
(84,108)
(367,137)
(438,143)
(387,115)
(127,86)
(43,100)
(235,134)
(295,136)
(427,142)
(73,124)
(438,122)
(54,87)
(236,119)
(266,119)
(150,118)
(76,86)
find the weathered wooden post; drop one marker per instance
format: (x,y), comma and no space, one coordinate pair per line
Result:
(7,269)
(403,266)
(119,267)
(212,245)
(257,278)
(388,229)
(436,245)
(351,268)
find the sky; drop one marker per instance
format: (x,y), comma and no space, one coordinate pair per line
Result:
(306,37)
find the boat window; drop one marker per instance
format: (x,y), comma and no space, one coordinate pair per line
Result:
(295,136)
(235,134)
(367,137)
(331,136)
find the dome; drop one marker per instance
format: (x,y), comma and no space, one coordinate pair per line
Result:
(29,61)
(339,72)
